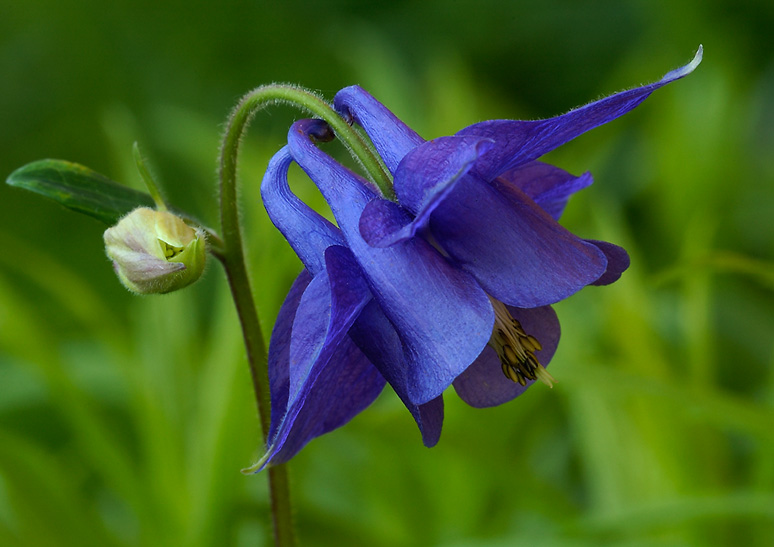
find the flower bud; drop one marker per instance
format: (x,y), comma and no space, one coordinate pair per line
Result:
(155,252)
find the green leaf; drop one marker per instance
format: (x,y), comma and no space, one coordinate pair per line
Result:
(80,189)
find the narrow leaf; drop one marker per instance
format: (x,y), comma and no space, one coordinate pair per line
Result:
(80,189)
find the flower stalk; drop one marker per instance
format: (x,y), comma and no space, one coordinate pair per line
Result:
(263,96)
(231,253)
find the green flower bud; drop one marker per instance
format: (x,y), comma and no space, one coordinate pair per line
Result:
(155,252)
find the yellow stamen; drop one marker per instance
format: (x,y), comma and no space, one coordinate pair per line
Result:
(516,349)
(170,251)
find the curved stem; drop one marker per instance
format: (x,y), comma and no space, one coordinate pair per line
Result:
(304,99)
(231,253)
(230,250)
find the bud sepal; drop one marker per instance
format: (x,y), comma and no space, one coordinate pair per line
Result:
(155,252)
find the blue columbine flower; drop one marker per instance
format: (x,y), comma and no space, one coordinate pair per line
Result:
(450,285)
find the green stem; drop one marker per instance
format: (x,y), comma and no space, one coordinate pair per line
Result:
(231,253)
(304,99)
(279,491)
(153,190)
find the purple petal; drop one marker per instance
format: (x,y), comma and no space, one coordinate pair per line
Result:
(515,250)
(322,397)
(441,314)
(376,337)
(483,384)
(548,186)
(329,306)
(423,179)
(384,223)
(392,138)
(519,142)
(279,351)
(617,262)
(308,233)
(340,392)
(431,169)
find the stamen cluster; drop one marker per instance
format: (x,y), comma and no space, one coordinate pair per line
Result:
(516,349)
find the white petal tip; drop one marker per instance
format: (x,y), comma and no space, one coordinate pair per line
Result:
(687,69)
(257,466)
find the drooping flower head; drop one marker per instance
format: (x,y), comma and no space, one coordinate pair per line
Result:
(451,284)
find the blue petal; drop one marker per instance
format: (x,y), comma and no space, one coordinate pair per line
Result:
(322,397)
(441,314)
(515,250)
(519,142)
(385,223)
(423,179)
(617,261)
(329,306)
(392,138)
(548,186)
(337,396)
(376,337)
(483,384)
(308,233)
(279,351)
(433,167)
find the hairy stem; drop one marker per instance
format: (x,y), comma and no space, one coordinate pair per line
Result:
(304,99)
(230,252)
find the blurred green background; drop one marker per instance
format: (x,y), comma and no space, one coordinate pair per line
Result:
(124,421)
